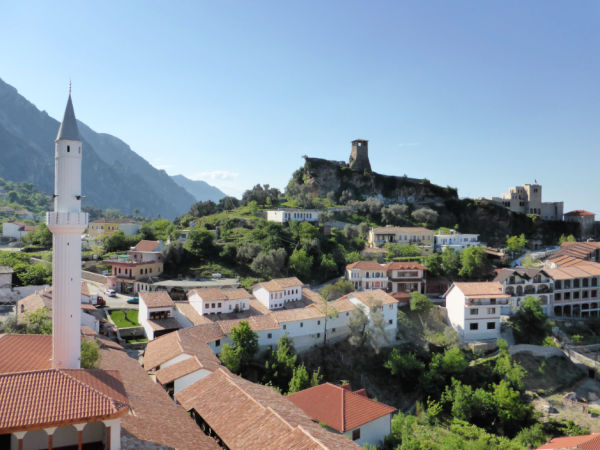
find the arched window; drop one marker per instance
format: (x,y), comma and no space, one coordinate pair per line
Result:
(68,148)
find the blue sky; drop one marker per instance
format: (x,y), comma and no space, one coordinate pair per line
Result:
(476,95)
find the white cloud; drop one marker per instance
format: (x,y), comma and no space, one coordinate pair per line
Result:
(215,175)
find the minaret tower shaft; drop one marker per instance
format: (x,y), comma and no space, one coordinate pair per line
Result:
(67,223)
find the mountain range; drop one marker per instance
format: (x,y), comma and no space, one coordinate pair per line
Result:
(113,175)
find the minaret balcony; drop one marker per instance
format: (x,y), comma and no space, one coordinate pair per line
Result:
(67,219)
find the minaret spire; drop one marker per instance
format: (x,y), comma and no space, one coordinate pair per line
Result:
(67,223)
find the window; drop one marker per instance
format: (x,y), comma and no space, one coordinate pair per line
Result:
(347,314)
(557,296)
(213,305)
(318,322)
(474,326)
(69,148)
(269,336)
(284,326)
(390,321)
(593,293)
(217,342)
(301,324)
(474,311)
(356,434)
(491,310)
(575,295)
(318,335)
(558,284)
(219,304)
(491,325)
(333,330)
(567,296)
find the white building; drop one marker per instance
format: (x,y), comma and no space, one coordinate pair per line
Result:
(522,282)
(474,309)
(352,414)
(287,215)
(367,275)
(527,199)
(156,314)
(223,301)
(456,241)
(16,230)
(276,293)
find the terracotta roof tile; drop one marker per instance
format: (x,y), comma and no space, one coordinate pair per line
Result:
(59,397)
(279,284)
(481,289)
(251,416)
(372,298)
(24,352)
(190,341)
(340,408)
(191,313)
(257,323)
(365,265)
(183,368)
(146,246)
(292,315)
(579,212)
(404,265)
(587,442)
(214,294)
(156,418)
(164,324)
(158,299)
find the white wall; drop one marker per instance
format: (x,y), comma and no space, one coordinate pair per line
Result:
(189,379)
(90,321)
(129,228)
(12,231)
(455,306)
(227,306)
(373,432)
(273,300)
(461,317)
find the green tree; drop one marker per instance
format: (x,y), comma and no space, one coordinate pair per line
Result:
(301,263)
(271,263)
(280,364)
(426,216)
(398,250)
(420,303)
(90,354)
(406,366)
(475,264)
(358,328)
(516,244)
(39,321)
(529,323)
(300,379)
(563,239)
(328,311)
(244,346)
(433,264)
(450,262)
(118,242)
(200,243)
(337,289)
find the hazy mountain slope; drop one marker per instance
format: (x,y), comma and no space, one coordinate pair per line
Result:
(201,190)
(113,175)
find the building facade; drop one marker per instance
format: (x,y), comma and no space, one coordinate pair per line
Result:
(456,241)
(288,215)
(367,275)
(417,236)
(276,293)
(221,301)
(585,219)
(527,199)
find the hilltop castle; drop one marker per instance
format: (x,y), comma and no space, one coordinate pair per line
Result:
(359,157)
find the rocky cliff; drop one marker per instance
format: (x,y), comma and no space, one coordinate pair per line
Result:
(323,176)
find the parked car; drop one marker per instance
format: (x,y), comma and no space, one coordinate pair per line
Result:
(110,292)
(134,300)
(100,302)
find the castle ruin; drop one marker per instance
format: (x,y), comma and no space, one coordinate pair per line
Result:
(359,158)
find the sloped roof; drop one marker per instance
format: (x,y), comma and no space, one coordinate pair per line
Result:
(55,397)
(191,341)
(68,127)
(183,368)
(191,313)
(292,315)
(584,442)
(158,299)
(279,284)
(217,294)
(526,273)
(383,230)
(23,352)
(579,212)
(339,407)
(256,323)
(147,246)
(372,298)
(252,416)
(481,289)
(169,323)
(157,418)
(405,265)
(582,269)
(365,265)
(578,250)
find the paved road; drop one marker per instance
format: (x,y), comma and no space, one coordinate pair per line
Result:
(120,301)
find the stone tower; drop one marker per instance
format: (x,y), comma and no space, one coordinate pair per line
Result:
(359,158)
(67,223)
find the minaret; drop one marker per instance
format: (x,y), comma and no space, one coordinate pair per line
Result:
(67,223)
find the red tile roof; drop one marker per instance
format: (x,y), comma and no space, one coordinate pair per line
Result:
(279,284)
(147,246)
(585,442)
(210,294)
(54,397)
(156,418)
(579,212)
(183,368)
(340,408)
(405,265)
(481,289)
(24,352)
(372,298)
(190,341)
(252,416)
(365,265)
(158,299)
